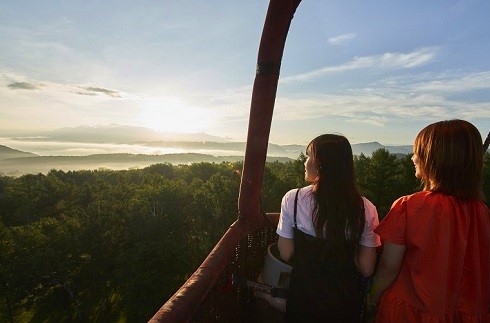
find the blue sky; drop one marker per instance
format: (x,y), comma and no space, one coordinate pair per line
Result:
(372,70)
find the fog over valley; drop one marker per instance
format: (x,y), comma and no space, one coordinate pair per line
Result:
(122,147)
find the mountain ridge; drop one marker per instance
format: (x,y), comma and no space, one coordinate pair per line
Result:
(291,150)
(16,162)
(7,152)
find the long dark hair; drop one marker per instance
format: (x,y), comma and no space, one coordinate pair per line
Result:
(339,210)
(451,158)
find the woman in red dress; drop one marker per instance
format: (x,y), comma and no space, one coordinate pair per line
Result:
(435,265)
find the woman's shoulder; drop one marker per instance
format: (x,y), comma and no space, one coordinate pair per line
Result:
(427,200)
(431,197)
(303,191)
(367,203)
(304,196)
(370,211)
(417,197)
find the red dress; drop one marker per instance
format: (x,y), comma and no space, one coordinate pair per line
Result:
(445,273)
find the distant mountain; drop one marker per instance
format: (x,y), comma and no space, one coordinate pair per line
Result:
(15,162)
(12,160)
(190,142)
(368,148)
(7,152)
(405,149)
(117,134)
(362,148)
(291,151)
(236,147)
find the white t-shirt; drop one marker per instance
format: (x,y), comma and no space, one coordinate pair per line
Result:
(306,204)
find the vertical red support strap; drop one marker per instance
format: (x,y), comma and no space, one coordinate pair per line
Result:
(276,27)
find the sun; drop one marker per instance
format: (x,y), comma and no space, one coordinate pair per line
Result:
(172,115)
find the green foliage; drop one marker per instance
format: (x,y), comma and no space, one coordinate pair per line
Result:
(280,178)
(110,246)
(384,177)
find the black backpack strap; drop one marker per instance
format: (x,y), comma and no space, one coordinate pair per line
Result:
(296,207)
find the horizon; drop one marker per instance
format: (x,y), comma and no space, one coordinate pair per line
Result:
(33,156)
(53,135)
(374,72)
(104,141)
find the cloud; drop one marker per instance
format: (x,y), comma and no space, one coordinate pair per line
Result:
(87,93)
(70,88)
(25,86)
(341,39)
(413,59)
(375,109)
(413,98)
(90,90)
(384,61)
(455,83)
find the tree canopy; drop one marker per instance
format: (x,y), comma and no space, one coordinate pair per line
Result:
(109,245)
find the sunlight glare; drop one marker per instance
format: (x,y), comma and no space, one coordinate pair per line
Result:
(173,116)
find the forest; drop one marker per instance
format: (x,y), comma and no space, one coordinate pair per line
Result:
(113,246)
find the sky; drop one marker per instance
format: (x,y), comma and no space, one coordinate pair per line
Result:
(375,70)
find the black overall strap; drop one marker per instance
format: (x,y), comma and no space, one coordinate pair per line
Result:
(486,143)
(296,207)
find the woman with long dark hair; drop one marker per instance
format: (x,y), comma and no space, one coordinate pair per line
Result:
(328,228)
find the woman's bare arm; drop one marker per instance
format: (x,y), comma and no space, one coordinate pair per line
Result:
(388,269)
(286,248)
(365,260)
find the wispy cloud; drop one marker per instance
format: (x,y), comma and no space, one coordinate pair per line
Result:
(413,59)
(413,98)
(456,83)
(25,86)
(71,88)
(410,98)
(378,110)
(385,61)
(341,39)
(90,90)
